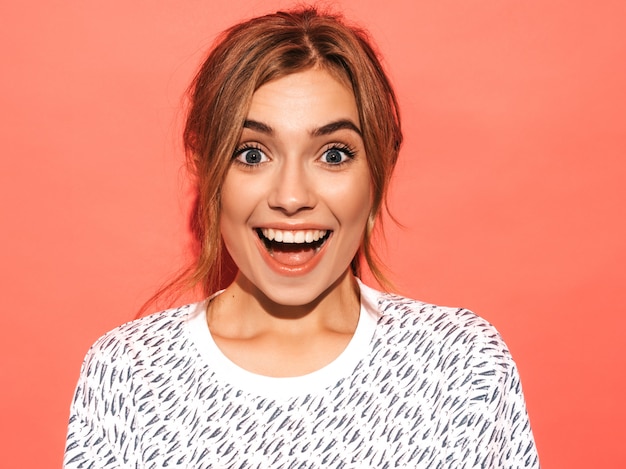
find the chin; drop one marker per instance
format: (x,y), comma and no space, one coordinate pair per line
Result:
(292,292)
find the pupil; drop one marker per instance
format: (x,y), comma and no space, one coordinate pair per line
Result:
(253,156)
(333,156)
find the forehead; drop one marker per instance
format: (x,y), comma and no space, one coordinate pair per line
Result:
(310,98)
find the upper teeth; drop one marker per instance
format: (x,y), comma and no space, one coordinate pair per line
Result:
(298,236)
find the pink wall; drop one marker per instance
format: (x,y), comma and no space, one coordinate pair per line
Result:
(511,189)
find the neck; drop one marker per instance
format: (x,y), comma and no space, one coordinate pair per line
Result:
(244,310)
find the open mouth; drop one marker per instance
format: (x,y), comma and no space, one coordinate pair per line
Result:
(293,247)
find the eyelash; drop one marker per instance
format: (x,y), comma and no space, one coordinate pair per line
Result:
(242,149)
(347,150)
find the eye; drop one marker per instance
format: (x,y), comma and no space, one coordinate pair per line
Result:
(337,154)
(250,155)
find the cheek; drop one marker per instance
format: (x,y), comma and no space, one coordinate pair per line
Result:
(233,210)
(352,202)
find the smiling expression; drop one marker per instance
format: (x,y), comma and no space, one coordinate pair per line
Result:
(297,195)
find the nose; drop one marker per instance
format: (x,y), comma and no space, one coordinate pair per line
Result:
(292,188)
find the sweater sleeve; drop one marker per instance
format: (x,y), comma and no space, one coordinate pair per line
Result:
(96,418)
(85,448)
(496,432)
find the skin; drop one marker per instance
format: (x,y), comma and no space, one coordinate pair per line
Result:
(300,165)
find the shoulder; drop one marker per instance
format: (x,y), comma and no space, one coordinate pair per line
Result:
(449,333)
(143,338)
(456,365)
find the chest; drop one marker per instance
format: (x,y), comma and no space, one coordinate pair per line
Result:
(365,419)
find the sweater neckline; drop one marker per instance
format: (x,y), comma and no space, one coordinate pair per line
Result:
(285,387)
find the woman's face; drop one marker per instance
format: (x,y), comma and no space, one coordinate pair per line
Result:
(297,195)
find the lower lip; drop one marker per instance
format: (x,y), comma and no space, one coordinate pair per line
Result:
(291,270)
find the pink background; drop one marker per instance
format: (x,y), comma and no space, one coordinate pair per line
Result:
(510,189)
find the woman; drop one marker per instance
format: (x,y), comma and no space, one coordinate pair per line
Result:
(292,133)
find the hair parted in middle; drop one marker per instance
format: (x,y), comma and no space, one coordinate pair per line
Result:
(244,58)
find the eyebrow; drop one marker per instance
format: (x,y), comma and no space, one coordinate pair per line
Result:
(335,126)
(318,132)
(258,126)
